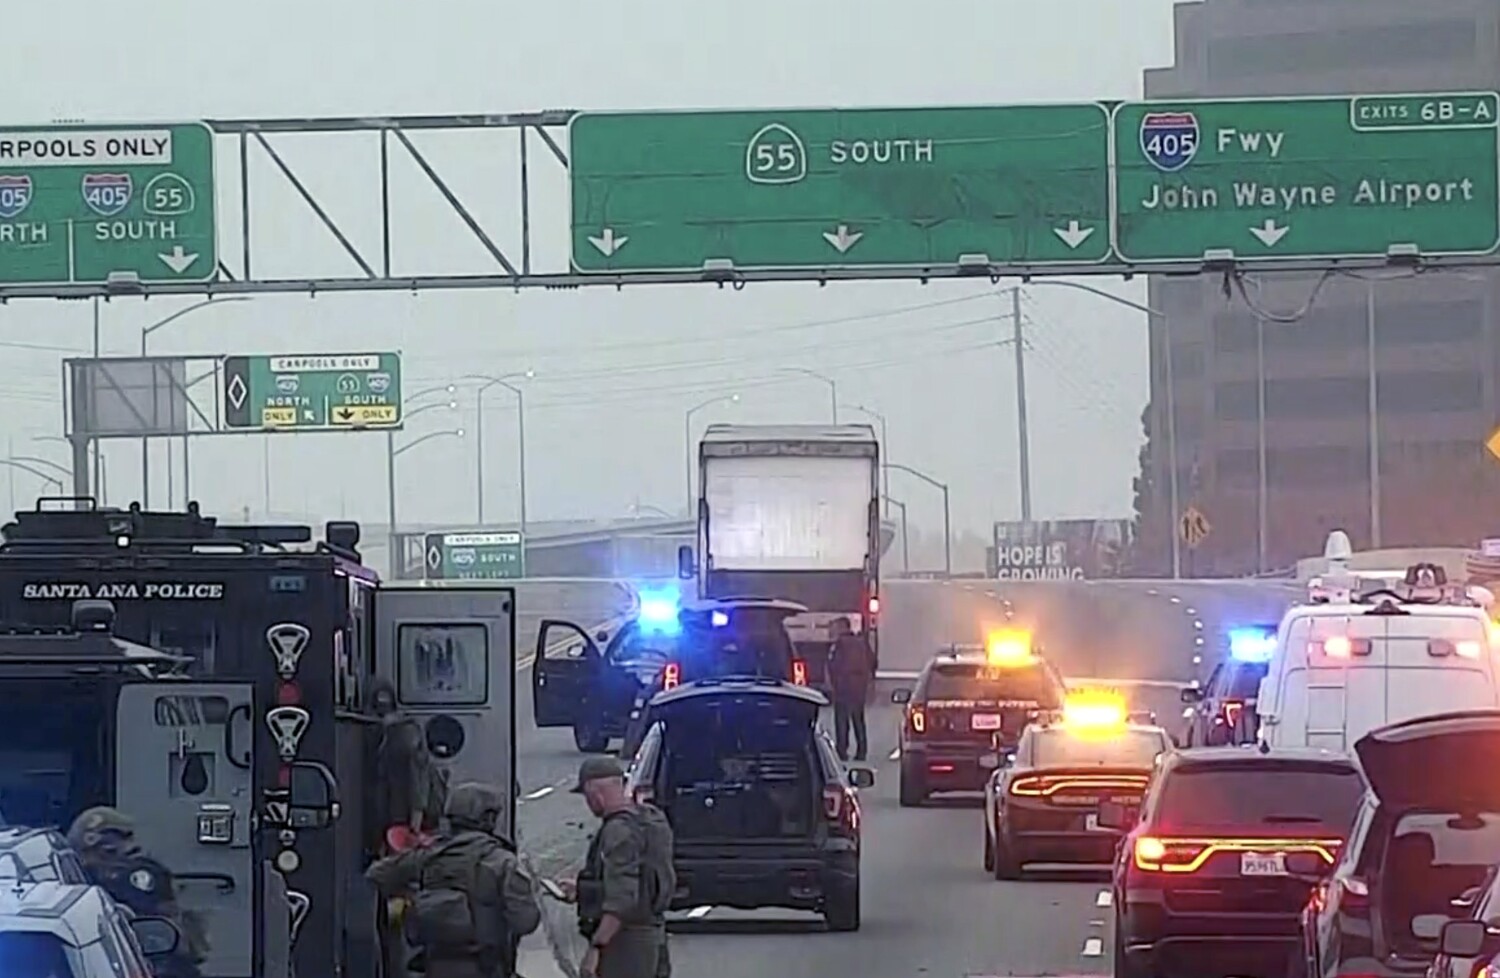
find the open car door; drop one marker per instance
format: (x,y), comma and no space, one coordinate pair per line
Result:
(184,770)
(450,650)
(565,673)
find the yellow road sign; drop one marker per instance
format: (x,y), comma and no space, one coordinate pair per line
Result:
(364,414)
(278,417)
(1492,443)
(1194,526)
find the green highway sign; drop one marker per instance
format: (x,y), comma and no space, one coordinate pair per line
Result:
(328,391)
(1334,178)
(80,203)
(474,556)
(670,191)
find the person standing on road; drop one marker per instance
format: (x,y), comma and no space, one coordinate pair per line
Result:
(627,881)
(470,902)
(851,670)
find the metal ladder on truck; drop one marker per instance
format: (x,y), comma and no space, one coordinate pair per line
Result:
(1316,735)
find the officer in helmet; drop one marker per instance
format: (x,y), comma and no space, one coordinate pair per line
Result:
(105,841)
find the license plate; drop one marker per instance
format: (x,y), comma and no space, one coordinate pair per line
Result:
(985,721)
(989,761)
(1262,864)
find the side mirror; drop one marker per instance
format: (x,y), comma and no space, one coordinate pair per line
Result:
(1191,695)
(1113,815)
(312,796)
(687,567)
(1463,938)
(1307,865)
(901,696)
(157,936)
(861,777)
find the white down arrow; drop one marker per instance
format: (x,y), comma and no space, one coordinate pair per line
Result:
(1269,233)
(179,260)
(607,243)
(843,239)
(1073,235)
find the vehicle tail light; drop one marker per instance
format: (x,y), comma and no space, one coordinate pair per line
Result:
(873,605)
(840,808)
(799,672)
(1342,647)
(1044,785)
(1355,893)
(1159,855)
(1482,971)
(1232,710)
(1465,648)
(288,694)
(671,676)
(644,794)
(916,718)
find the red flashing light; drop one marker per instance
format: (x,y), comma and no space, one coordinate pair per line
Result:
(799,672)
(874,605)
(288,694)
(671,676)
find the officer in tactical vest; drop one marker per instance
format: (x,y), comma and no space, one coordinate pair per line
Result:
(105,841)
(412,788)
(627,881)
(469,901)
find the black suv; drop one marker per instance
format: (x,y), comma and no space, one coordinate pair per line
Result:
(1223,710)
(1425,840)
(763,812)
(1205,880)
(965,714)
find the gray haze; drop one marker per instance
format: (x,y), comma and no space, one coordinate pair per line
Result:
(615,371)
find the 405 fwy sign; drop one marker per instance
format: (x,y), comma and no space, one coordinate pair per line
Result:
(1081,186)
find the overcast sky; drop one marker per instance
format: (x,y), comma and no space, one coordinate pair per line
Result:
(615,371)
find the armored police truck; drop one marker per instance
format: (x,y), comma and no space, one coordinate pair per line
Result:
(277,640)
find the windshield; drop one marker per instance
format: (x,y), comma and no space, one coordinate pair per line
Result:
(1133,748)
(1258,797)
(53,761)
(33,955)
(965,681)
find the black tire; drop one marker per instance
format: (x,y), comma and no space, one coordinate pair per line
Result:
(913,791)
(590,740)
(1123,966)
(841,908)
(1007,863)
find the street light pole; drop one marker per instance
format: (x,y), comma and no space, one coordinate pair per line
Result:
(146,332)
(905,541)
(687,442)
(1374,411)
(833,388)
(1023,430)
(390,467)
(885,474)
(947,511)
(1172,476)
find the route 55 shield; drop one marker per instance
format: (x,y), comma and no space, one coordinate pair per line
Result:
(1169,140)
(15,195)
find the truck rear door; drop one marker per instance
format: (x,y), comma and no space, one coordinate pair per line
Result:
(184,771)
(451,653)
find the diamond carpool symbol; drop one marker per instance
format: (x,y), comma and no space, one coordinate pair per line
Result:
(237,392)
(434,558)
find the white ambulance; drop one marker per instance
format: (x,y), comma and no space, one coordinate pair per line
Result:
(1369,649)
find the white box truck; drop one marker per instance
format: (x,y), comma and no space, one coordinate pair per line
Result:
(792,512)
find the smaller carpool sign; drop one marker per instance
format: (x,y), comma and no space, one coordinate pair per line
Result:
(1169,139)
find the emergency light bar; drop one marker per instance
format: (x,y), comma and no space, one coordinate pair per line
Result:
(1255,644)
(1008,647)
(659,609)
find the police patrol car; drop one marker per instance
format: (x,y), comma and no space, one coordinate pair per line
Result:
(1042,804)
(51,929)
(1370,649)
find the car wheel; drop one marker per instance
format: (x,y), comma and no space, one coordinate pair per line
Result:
(841,908)
(1007,862)
(589,740)
(913,792)
(1124,968)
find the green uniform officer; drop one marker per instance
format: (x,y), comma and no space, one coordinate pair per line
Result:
(627,880)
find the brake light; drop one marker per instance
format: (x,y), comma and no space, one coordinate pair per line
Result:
(839,807)
(1159,855)
(1045,785)
(671,676)
(1341,647)
(799,672)
(917,717)
(1354,893)
(1465,648)
(873,605)
(1232,709)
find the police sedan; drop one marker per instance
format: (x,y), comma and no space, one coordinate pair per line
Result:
(1042,804)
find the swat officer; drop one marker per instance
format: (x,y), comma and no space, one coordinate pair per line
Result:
(469,902)
(105,841)
(627,881)
(851,671)
(412,788)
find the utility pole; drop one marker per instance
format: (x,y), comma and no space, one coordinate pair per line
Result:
(1023,433)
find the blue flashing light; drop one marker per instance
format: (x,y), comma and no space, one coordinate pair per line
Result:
(1252,644)
(719,619)
(659,611)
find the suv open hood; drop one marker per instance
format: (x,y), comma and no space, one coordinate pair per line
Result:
(1443,763)
(783,699)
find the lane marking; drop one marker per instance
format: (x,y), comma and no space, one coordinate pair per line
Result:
(1093,947)
(698,913)
(895,755)
(539,793)
(1104,899)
